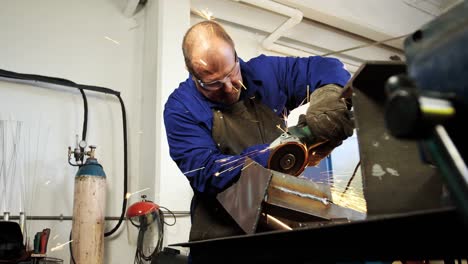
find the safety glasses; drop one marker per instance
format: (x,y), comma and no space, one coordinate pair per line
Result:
(218,84)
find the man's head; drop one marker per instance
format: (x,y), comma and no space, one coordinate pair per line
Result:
(211,58)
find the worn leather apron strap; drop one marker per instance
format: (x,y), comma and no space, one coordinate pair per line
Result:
(242,125)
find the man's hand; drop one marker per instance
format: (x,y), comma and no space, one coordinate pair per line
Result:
(329,120)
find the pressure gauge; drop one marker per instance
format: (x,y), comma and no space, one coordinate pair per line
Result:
(82,144)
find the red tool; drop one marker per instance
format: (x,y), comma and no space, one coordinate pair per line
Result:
(44,239)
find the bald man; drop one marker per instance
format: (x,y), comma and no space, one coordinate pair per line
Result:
(229,108)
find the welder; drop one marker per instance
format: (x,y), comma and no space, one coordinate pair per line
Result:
(228,109)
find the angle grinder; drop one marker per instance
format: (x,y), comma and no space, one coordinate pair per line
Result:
(290,151)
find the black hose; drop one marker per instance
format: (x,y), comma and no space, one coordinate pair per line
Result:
(71,250)
(124,203)
(85,121)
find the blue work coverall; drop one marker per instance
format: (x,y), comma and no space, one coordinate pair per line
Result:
(280,83)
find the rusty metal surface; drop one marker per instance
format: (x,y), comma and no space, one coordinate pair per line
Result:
(394,177)
(243,200)
(305,196)
(261,190)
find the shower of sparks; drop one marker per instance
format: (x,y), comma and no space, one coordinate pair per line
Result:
(279,127)
(190,171)
(127,196)
(228,169)
(248,154)
(243,86)
(353,198)
(60,246)
(233,163)
(236,163)
(323,200)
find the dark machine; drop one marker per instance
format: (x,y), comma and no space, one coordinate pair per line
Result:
(409,118)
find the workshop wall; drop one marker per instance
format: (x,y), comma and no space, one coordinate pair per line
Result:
(87,42)
(94,43)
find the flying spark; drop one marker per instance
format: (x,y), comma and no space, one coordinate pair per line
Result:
(60,246)
(201,168)
(130,194)
(279,127)
(243,86)
(203,62)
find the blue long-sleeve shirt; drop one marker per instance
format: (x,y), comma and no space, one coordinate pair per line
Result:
(279,82)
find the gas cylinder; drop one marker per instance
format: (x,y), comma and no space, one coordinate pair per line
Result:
(89,204)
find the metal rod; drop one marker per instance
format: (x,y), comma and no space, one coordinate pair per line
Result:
(68,218)
(364,45)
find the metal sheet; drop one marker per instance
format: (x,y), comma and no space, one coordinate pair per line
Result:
(410,236)
(243,200)
(261,190)
(394,177)
(306,196)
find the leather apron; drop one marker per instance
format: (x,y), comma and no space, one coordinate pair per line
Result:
(241,125)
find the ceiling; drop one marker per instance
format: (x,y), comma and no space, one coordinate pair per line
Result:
(348,30)
(373,19)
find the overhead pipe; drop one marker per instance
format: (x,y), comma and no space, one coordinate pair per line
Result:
(295,18)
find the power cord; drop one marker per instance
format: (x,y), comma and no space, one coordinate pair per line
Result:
(352,177)
(144,229)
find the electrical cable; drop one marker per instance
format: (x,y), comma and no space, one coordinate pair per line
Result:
(144,227)
(70,248)
(124,203)
(85,122)
(173,215)
(352,177)
(37,79)
(85,119)
(374,43)
(83,137)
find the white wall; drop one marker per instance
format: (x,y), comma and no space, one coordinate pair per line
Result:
(88,42)
(163,70)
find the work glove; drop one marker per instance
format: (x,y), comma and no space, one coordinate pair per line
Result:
(329,121)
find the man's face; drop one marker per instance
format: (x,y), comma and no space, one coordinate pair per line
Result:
(217,74)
